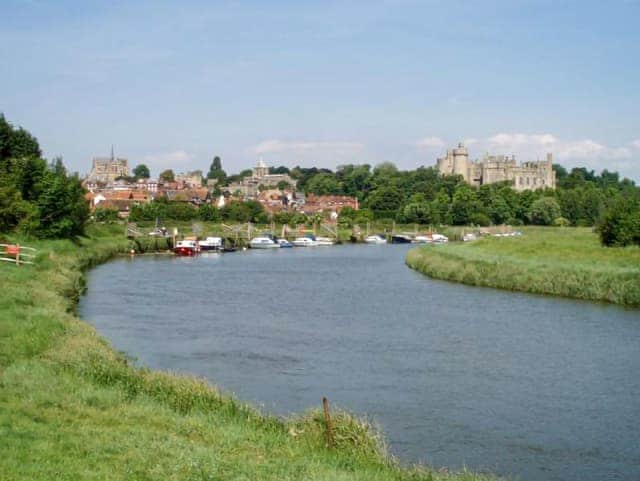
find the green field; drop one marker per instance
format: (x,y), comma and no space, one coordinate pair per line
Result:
(71,408)
(567,262)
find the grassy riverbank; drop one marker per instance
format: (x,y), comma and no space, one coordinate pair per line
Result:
(71,408)
(567,262)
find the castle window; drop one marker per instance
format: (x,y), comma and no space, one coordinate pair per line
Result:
(520,180)
(527,180)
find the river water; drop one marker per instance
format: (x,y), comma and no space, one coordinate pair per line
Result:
(526,386)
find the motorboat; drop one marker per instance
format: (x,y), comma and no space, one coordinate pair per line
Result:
(263,242)
(324,241)
(376,239)
(211,244)
(284,243)
(400,239)
(431,239)
(186,248)
(306,241)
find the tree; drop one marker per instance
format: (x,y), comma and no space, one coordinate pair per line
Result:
(167,176)
(620,224)
(385,201)
(323,184)
(141,171)
(216,172)
(284,185)
(544,211)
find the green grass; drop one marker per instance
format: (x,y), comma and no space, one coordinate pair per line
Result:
(567,262)
(72,408)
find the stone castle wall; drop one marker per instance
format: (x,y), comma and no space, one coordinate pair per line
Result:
(498,168)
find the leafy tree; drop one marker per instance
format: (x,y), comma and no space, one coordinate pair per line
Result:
(385,201)
(210,213)
(216,172)
(544,211)
(284,185)
(167,176)
(464,205)
(141,171)
(323,184)
(620,224)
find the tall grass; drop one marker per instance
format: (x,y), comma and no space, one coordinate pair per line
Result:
(567,262)
(72,408)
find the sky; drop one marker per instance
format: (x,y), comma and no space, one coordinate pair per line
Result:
(172,84)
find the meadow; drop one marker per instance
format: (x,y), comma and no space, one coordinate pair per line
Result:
(568,262)
(72,408)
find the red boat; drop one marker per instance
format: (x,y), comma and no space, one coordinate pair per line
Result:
(186,248)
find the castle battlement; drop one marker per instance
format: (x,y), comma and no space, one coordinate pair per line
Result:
(529,175)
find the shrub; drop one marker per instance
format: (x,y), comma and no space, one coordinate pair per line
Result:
(544,211)
(620,224)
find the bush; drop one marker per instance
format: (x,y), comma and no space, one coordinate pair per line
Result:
(544,211)
(561,222)
(620,224)
(105,215)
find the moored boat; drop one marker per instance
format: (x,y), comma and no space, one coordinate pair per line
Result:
(400,239)
(375,239)
(263,242)
(186,248)
(211,244)
(284,243)
(324,241)
(306,241)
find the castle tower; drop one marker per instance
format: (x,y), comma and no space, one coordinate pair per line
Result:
(461,161)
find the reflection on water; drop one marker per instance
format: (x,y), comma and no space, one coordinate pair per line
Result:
(521,385)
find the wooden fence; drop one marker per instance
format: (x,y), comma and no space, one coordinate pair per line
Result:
(17,254)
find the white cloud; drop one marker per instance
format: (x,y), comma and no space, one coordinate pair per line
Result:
(279,146)
(522,139)
(636,144)
(430,142)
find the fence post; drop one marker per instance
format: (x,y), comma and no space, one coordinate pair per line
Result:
(17,254)
(327,421)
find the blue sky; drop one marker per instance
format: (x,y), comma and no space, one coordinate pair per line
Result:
(324,83)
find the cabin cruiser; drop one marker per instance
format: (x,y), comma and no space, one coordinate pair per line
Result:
(186,248)
(263,242)
(431,239)
(306,241)
(211,244)
(375,239)
(324,241)
(400,239)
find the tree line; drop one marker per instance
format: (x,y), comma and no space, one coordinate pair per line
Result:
(37,198)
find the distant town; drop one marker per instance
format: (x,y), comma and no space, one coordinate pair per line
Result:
(112,184)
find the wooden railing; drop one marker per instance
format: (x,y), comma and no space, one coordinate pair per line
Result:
(17,254)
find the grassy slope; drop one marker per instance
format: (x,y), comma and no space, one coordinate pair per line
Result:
(72,408)
(559,261)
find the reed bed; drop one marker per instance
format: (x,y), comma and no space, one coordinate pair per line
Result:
(566,262)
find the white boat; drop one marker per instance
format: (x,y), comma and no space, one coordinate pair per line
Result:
(307,241)
(375,239)
(263,243)
(211,244)
(431,239)
(324,241)
(469,237)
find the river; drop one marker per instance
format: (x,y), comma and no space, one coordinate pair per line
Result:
(521,385)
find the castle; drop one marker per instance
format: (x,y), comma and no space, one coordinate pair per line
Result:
(107,169)
(498,168)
